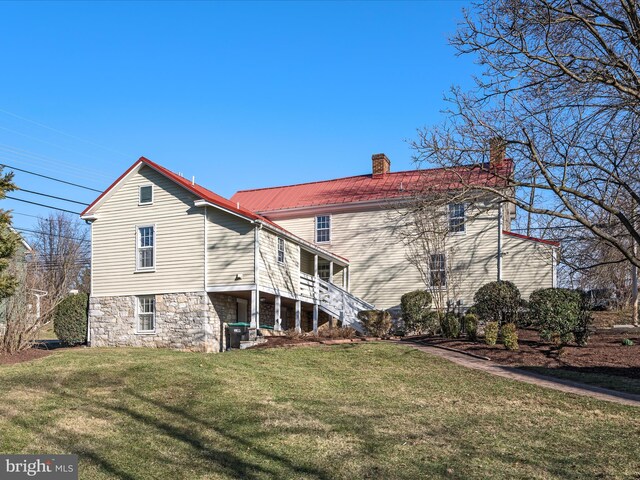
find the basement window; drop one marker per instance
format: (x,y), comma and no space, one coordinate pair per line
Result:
(145,195)
(146,314)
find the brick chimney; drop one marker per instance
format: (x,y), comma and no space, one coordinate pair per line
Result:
(381,165)
(497,151)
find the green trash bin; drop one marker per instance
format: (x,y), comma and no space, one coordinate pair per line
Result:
(236,333)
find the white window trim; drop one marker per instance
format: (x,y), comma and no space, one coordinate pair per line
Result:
(315,229)
(464,219)
(155,246)
(446,274)
(284,251)
(145,332)
(152,195)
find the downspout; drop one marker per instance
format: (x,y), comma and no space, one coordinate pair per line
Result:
(499,242)
(256,272)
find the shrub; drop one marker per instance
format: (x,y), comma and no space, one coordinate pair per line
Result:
(341,332)
(70,319)
(375,322)
(471,326)
(450,325)
(497,302)
(510,336)
(292,333)
(416,312)
(491,333)
(627,342)
(558,314)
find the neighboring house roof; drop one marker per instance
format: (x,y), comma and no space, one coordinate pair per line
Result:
(22,240)
(366,188)
(204,194)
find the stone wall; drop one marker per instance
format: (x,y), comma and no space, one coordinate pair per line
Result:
(184,321)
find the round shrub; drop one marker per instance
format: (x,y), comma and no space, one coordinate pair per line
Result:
(450,325)
(497,302)
(70,319)
(416,312)
(471,326)
(491,333)
(375,322)
(510,336)
(557,314)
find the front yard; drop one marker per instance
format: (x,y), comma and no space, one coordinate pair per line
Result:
(352,411)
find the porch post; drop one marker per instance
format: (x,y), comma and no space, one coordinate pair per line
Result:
(298,312)
(277,324)
(331,272)
(348,279)
(315,318)
(255,309)
(315,265)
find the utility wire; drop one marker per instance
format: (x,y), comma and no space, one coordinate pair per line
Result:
(50,178)
(40,232)
(52,196)
(41,205)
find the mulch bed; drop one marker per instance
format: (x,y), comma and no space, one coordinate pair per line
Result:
(24,356)
(604,354)
(310,340)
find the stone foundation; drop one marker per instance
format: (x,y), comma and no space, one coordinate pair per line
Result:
(184,321)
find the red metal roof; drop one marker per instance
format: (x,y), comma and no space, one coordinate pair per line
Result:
(533,239)
(202,193)
(364,188)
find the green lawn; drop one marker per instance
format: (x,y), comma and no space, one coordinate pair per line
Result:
(354,411)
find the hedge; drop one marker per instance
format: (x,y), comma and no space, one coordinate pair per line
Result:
(497,302)
(416,312)
(70,319)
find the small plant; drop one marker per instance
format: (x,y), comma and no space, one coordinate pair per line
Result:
(510,336)
(471,326)
(450,325)
(70,319)
(491,333)
(560,314)
(375,322)
(627,342)
(292,333)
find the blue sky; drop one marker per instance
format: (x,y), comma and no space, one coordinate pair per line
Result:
(241,95)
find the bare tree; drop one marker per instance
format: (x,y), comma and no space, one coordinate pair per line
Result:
(560,91)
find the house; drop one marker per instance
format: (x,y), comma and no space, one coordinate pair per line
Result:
(357,217)
(173,263)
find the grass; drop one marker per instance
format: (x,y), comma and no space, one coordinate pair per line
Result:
(612,382)
(353,411)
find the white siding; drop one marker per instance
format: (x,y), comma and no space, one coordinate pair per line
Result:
(528,264)
(283,277)
(230,251)
(379,268)
(179,239)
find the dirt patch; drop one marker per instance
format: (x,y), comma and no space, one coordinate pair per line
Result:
(24,356)
(605,353)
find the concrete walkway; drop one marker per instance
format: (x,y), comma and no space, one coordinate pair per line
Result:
(513,373)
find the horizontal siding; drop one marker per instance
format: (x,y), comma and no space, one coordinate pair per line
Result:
(230,251)
(528,264)
(179,239)
(284,277)
(379,268)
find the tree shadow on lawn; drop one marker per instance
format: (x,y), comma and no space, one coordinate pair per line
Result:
(222,461)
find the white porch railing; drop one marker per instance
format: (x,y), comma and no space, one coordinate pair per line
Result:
(333,300)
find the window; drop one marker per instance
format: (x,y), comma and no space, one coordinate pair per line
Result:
(146,314)
(323,228)
(456,217)
(438,270)
(146,195)
(281,250)
(146,248)
(324,271)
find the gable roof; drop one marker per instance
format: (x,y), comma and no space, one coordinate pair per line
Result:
(363,188)
(206,195)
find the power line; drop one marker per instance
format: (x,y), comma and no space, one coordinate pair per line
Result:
(53,196)
(41,205)
(50,178)
(40,232)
